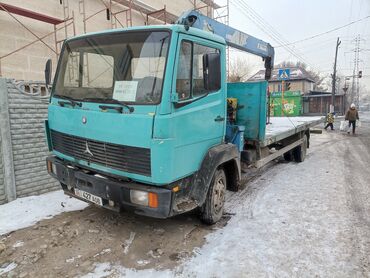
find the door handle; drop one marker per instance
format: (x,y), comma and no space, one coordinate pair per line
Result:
(219,119)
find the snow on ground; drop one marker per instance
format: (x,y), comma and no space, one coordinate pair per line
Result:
(8,268)
(25,212)
(364,115)
(293,221)
(108,270)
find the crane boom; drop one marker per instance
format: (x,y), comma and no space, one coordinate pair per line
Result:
(233,37)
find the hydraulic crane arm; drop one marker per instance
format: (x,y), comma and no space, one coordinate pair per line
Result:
(233,37)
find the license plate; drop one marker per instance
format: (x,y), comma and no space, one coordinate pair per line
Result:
(89,197)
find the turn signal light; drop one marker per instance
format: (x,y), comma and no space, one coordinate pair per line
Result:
(153,200)
(50,167)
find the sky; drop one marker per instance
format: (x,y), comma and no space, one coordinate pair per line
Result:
(294,20)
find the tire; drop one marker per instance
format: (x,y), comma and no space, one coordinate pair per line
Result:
(288,156)
(213,207)
(299,152)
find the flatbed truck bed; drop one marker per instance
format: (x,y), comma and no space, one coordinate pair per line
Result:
(287,136)
(280,128)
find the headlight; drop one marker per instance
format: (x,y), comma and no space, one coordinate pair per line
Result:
(144,198)
(139,197)
(54,168)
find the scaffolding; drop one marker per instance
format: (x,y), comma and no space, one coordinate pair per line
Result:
(66,22)
(118,12)
(157,15)
(149,14)
(114,9)
(127,13)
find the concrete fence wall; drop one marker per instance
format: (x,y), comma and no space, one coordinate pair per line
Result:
(2,187)
(23,145)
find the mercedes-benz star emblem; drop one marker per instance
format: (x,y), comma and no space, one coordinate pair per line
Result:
(84,120)
(87,150)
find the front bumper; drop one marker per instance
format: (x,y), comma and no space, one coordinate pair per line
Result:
(110,189)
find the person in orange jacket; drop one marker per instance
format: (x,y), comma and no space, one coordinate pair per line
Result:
(329,121)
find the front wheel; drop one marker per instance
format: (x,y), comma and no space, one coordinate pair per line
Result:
(213,207)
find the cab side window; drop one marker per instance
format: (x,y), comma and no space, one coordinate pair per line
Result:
(183,81)
(198,70)
(190,72)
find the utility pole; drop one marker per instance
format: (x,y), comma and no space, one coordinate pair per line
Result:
(334,76)
(356,88)
(354,96)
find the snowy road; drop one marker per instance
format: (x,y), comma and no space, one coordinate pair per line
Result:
(293,220)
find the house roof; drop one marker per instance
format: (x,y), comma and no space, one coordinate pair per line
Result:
(296,73)
(321,94)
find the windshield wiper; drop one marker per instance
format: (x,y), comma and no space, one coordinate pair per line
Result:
(119,109)
(110,100)
(70,101)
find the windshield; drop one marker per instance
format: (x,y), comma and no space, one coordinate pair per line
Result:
(127,67)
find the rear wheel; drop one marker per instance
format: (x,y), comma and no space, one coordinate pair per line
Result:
(213,206)
(299,152)
(288,156)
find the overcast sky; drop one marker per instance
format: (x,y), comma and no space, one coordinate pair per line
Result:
(299,19)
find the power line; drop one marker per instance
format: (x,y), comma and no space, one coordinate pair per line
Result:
(270,30)
(324,33)
(264,26)
(347,29)
(280,38)
(355,92)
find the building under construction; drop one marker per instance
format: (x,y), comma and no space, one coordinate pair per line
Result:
(33,31)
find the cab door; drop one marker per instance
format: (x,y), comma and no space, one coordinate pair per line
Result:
(198,114)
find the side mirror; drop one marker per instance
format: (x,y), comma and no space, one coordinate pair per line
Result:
(212,71)
(48,70)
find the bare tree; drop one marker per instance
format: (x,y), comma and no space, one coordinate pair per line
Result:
(239,70)
(339,83)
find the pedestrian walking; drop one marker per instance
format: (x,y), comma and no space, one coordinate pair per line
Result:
(329,121)
(352,117)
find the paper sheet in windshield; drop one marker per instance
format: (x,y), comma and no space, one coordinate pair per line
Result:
(125,90)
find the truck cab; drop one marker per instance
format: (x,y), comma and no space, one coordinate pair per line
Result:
(137,121)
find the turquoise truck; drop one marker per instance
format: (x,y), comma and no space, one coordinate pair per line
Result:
(143,119)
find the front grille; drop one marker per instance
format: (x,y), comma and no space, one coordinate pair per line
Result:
(129,159)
